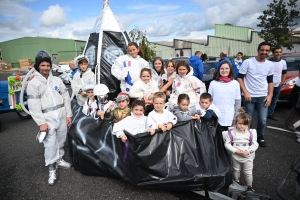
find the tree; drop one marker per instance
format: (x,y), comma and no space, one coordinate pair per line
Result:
(140,38)
(278,21)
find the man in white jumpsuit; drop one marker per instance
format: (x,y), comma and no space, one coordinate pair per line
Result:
(50,107)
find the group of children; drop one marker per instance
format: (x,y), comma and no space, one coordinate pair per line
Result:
(147,112)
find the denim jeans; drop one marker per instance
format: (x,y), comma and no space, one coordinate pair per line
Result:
(272,106)
(262,112)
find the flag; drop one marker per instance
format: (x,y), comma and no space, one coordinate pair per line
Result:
(128,82)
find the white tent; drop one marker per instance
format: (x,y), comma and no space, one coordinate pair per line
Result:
(107,41)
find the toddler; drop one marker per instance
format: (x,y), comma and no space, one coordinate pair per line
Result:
(90,106)
(182,110)
(104,106)
(242,143)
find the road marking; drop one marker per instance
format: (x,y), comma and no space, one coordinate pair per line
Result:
(281,129)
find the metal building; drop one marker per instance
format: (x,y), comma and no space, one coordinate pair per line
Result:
(61,50)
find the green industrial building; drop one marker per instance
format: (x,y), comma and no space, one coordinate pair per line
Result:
(61,50)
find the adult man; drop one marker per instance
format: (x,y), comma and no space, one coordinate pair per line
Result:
(279,77)
(237,63)
(196,63)
(73,68)
(49,105)
(223,57)
(256,81)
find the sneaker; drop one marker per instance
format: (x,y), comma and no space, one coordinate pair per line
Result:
(272,117)
(52,175)
(298,139)
(250,189)
(261,141)
(291,128)
(61,163)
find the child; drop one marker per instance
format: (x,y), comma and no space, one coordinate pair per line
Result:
(206,108)
(135,123)
(84,76)
(185,82)
(182,112)
(90,106)
(242,143)
(157,70)
(123,110)
(104,106)
(160,117)
(127,67)
(168,78)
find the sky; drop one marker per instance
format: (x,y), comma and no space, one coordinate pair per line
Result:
(163,20)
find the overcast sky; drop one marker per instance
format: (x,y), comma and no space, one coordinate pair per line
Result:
(163,20)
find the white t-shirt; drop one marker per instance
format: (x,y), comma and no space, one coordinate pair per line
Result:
(278,67)
(164,76)
(255,78)
(224,96)
(154,118)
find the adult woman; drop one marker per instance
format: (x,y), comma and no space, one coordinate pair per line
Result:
(226,94)
(185,82)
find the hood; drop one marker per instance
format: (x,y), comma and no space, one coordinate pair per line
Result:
(194,59)
(188,75)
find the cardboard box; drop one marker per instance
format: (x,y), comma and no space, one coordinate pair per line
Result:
(63,63)
(25,62)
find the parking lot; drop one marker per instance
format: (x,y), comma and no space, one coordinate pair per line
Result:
(24,176)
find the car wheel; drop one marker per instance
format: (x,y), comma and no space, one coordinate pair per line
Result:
(23,115)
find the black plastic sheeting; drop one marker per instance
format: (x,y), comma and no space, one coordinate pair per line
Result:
(189,157)
(113,46)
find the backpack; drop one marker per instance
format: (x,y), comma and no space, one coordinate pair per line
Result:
(250,139)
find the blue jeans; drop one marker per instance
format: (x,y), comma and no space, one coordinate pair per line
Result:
(275,97)
(262,113)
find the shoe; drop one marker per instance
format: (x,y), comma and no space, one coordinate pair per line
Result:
(272,117)
(52,175)
(291,128)
(298,139)
(61,163)
(250,189)
(261,141)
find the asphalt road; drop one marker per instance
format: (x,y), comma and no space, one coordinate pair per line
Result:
(24,176)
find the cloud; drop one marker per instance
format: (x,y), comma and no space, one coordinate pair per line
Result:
(153,7)
(54,16)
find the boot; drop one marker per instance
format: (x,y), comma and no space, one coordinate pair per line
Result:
(61,163)
(52,174)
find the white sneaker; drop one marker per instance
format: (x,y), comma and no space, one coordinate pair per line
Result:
(52,177)
(61,163)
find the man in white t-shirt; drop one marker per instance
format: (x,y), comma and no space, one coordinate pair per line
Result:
(280,69)
(256,81)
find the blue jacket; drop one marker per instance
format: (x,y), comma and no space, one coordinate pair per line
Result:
(220,61)
(197,65)
(236,66)
(74,72)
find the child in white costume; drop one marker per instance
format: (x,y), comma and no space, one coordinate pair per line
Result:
(134,124)
(82,77)
(160,118)
(90,106)
(104,106)
(186,83)
(127,67)
(242,143)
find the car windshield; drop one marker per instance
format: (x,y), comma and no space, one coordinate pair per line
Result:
(293,63)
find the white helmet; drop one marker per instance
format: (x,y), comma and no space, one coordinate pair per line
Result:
(79,58)
(100,91)
(88,86)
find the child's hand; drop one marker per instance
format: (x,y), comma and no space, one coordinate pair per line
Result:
(196,116)
(162,127)
(101,114)
(245,153)
(124,138)
(168,92)
(83,94)
(150,97)
(151,131)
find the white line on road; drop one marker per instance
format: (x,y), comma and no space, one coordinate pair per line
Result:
(281,129)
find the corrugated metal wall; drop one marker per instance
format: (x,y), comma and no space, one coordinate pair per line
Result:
(164,51)
(234,32)
(26,47)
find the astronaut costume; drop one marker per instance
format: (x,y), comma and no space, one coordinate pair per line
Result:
(127,69)
(82,78)
(49,103)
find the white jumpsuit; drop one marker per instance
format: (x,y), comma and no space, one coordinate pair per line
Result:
(49,103)
(81,79)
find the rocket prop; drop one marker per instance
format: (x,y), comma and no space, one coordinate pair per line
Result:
(107,41)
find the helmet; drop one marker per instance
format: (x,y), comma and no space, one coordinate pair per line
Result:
(100,91)
(88,86)
(80,58)
(41,56)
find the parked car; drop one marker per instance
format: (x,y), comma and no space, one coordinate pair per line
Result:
(293,69)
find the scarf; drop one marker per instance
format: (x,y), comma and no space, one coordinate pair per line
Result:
(225,80)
